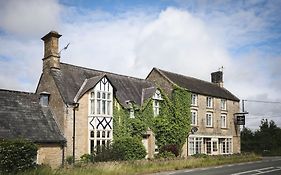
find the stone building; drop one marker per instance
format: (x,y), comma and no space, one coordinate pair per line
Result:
(82,103)
(213,109)
(27,115)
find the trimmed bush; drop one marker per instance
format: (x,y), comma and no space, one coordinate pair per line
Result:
(172,148)
(128,148)
(17,155)
(86,158)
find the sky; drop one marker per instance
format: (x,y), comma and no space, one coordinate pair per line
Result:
(131,37)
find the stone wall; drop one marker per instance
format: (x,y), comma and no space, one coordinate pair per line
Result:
(50,154)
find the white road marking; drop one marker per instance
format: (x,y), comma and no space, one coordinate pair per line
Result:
(263,172)
(256,170)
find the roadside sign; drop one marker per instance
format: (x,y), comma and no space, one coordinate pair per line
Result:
(240,119)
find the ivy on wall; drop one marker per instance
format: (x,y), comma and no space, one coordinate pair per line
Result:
(171,127)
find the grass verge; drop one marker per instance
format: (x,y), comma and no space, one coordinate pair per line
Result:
(144,166)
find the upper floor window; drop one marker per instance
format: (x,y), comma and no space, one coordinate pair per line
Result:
(193,117)
(223,121)
(101,99)
(209,102)
(194,98)
(223,104)
(209,120)
(156,102)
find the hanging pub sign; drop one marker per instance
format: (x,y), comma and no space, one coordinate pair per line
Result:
(240,119)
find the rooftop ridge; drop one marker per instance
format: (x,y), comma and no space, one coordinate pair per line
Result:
(189,77)
(16,91)
(106,72)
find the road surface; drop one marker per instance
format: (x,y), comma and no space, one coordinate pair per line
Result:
(267,166)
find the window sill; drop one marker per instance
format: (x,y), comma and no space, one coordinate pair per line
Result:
(209,127)
(225,128)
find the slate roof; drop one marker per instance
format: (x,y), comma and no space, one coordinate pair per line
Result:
(69,80)
(21,116)
(198,86)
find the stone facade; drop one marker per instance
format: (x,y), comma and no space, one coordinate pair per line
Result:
(50,154)
(215,133)
(210,137)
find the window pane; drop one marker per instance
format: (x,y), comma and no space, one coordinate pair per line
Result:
(92,134)
(92,146)
(98,134)
(103,106)
(103,134)
(108,96)
(103,95)
(92,94)
(98,95)
(109,108)
(108,134)
(92,106)
(98,106)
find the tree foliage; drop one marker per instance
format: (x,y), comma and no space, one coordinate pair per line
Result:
(265,141)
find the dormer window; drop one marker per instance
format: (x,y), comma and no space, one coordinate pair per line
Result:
(156,102)
(44,98)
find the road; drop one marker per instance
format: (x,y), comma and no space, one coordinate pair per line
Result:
(267,166)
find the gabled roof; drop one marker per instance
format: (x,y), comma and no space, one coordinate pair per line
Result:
(197,86)
(69,80)
(21,116)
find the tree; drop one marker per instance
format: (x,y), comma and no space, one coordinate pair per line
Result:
(265,141)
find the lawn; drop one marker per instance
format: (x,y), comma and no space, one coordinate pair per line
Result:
(144,166)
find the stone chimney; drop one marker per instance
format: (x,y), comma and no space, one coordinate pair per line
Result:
(51,58)
(217,78)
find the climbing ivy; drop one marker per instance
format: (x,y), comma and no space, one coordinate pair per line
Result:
(170,127)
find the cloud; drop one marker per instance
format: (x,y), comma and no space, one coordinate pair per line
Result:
(30,17)
(131,42)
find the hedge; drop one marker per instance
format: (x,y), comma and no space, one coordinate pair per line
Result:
(17,155)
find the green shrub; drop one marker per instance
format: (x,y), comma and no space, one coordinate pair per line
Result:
(172,148)
(200,155)
(86,158)
(17,155)
(69,160)
(103,153)
(128,148)
(165,155)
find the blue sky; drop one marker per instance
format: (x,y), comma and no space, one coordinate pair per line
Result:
(130,37)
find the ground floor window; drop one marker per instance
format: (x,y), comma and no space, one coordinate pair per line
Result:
(225,146)
(194,145)
(99,139)
(209,145)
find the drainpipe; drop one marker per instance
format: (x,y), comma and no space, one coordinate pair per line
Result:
(75,106)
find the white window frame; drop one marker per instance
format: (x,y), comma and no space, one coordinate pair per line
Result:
(194,117)
(226,146)
(209,119)
(195,145)
(194,99)
(209,102)
(223,104)
(156,103)
(223,121)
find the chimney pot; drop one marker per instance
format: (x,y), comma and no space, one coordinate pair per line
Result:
(51,50)
(217,78)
